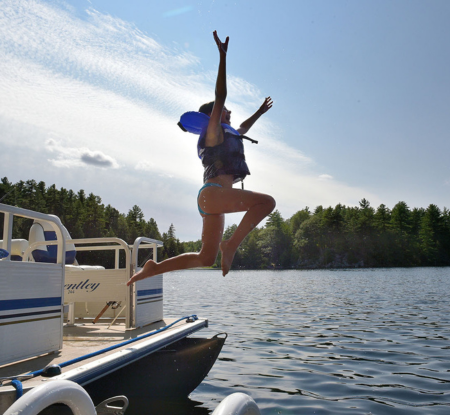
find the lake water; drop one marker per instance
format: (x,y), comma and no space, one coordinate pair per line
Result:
(370,341)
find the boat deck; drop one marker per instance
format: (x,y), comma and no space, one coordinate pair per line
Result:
(86,338)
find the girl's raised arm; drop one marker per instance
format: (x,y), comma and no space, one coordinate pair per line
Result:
(214,133)
(247,124)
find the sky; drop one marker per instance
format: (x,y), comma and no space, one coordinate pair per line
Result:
(91,92)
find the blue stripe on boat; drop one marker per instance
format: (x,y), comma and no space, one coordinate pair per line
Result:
(149,298)
(29,303)
(36,313)
(149,292)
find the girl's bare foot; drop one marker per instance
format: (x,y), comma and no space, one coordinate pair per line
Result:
(227,256)
(149,270)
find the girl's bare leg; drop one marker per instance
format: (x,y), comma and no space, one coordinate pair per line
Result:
(211,237)
(250,220)
(228,200)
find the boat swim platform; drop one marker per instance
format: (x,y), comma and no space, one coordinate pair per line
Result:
(86,338)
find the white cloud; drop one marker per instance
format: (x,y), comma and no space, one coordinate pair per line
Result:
(325,177)
(97,158)
(78,157)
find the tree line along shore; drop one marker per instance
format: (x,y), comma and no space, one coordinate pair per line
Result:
(325,237)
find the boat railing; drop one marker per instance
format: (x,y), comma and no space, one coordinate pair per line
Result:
(142,243)
(147,294)
(110,285)
(141,303)
(31,298)
(54,221)
(120,244)
(47,291)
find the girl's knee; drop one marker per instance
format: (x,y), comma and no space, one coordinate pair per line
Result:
(270,202)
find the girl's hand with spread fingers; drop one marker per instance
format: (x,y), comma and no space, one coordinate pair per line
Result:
(223,47)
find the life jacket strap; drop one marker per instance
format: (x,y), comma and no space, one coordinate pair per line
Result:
(249,139)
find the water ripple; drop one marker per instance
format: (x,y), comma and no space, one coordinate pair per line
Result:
(324,342)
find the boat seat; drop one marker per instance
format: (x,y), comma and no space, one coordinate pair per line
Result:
(42,231)
(18,248)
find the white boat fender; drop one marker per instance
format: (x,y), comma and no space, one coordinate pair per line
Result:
(68,393)
(58,391)
(237,404)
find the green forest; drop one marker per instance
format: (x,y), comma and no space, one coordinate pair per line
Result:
(325,237)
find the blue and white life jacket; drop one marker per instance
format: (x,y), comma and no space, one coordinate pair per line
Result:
(225,158)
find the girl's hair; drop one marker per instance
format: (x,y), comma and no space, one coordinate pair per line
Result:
(207,108)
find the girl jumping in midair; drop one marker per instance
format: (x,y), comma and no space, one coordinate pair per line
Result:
(222,154)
